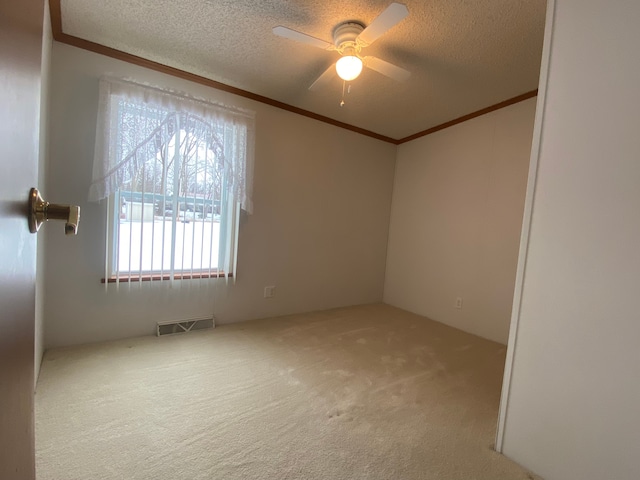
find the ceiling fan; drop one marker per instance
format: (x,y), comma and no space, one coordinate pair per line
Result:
(349,39)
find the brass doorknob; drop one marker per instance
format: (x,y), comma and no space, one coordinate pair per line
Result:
(41,211)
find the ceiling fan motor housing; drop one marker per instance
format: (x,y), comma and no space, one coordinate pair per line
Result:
(344,37)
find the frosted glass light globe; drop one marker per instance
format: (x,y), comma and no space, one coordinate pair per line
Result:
(349,67)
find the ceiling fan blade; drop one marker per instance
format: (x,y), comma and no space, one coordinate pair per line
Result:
(388,69)
(389,18)
(325,78)
(302,37)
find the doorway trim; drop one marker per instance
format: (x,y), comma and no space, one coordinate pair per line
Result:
(526,224)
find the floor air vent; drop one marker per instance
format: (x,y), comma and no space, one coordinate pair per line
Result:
(184,326)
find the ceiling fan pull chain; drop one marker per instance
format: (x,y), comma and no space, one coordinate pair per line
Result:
(344,83)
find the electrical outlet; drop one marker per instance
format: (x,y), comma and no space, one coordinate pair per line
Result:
(459,303)
(269,292)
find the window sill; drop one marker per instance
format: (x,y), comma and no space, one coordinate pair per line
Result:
(165,277)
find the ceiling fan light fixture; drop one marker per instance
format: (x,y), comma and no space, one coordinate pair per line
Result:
(349,67)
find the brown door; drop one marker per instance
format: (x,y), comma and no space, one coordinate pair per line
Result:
(20,57)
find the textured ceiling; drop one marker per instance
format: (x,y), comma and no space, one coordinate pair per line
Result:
(463,55)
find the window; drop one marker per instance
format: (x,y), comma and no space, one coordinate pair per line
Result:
(176,171)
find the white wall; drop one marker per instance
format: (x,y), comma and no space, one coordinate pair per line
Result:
(319,230)
(42,175)
(455,222)
(574,406)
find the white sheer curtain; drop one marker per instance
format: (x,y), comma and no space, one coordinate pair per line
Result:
(179,165)
(118,159)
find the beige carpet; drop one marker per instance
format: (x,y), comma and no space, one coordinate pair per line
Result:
(367,392)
